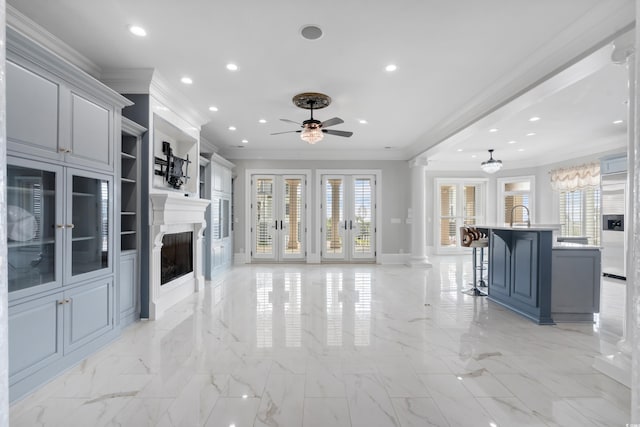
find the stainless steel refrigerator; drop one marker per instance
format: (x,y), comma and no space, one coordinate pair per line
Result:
(614,190)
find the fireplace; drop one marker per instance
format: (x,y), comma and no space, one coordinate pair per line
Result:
(176,256)
(177,227)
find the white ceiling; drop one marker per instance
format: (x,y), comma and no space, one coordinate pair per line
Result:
(456,60)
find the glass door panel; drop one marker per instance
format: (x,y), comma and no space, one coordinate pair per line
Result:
(334,225)
(292,227)
(33,240)
(264,227)
(90,242)
(362,211)
(448,211)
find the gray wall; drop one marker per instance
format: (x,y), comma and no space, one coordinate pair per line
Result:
(395,194)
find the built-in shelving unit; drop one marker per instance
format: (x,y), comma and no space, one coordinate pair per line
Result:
(129,186)
(130,220)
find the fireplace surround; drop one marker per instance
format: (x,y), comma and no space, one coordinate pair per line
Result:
(174,214)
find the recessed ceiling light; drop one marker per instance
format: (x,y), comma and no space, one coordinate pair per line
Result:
(213,108)
(617,122)
(244,396)
(534,119)
(186,80)
(459,150)
(520,149)
(232,67)
(232,128)
(493,130)
(473,156)
(531,134)
(391,67)
(245,141)
(262,121)
(512,142)
(137,31)
(362,121)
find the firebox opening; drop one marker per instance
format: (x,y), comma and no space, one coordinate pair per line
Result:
(176,255)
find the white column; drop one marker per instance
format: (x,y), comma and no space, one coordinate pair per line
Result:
(4,297)
(633,272)
(620,362)
(419,209)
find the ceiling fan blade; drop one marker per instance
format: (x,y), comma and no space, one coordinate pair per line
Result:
(289,131)
(291,121)
(337,132)
(332,122)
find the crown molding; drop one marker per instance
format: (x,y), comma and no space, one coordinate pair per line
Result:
(44,38)
(21,49)
(150,81)
(208,146)
(311,154)
(599,26)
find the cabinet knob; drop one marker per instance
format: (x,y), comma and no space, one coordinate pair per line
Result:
(64,150)
(60,302)
(69,226)
(60,225)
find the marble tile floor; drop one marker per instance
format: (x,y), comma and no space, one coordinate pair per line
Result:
(337,345)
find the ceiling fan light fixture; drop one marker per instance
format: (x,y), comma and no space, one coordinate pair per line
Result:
(492,165)
(311,135)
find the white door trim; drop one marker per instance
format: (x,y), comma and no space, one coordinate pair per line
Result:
(248,193)
(318,214)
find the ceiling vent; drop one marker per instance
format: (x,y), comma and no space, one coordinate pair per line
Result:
(311,32)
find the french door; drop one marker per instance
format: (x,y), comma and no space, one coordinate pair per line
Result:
(459,203)
(348,208)
(278,211)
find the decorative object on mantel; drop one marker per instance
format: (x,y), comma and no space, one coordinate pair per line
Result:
(174,169)
(314,130)
(492,165)
(576,178)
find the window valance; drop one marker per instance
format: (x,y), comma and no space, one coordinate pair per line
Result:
(576,178)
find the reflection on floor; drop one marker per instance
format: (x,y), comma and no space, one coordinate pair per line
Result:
(338,345)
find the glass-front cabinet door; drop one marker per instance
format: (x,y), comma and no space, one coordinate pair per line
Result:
(34,232)
(59,223)
(88,224)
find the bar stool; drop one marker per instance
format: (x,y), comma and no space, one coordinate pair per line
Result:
(475,239)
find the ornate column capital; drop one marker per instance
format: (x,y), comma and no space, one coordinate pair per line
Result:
(623,48)
(419,161)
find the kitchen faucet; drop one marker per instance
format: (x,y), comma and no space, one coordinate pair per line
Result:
(528,215)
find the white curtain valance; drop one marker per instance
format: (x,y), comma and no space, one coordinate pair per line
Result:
(576,178)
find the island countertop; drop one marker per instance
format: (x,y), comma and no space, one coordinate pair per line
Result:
(533,227)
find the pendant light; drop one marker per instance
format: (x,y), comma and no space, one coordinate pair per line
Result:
(492,165)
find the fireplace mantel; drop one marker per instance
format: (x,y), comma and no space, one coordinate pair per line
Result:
(170,209)
(175,214)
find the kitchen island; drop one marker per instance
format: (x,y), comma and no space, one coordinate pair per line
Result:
(540,280)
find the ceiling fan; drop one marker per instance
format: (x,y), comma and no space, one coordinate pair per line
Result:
(313,130)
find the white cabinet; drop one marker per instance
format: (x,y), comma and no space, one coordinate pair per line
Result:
(219,233)
(62,127)
(56,112)
(43,329)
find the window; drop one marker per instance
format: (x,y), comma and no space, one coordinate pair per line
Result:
(514,192)
(580,213)
(459,202)
(578,188)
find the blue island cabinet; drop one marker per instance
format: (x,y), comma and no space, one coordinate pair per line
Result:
(520,271)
